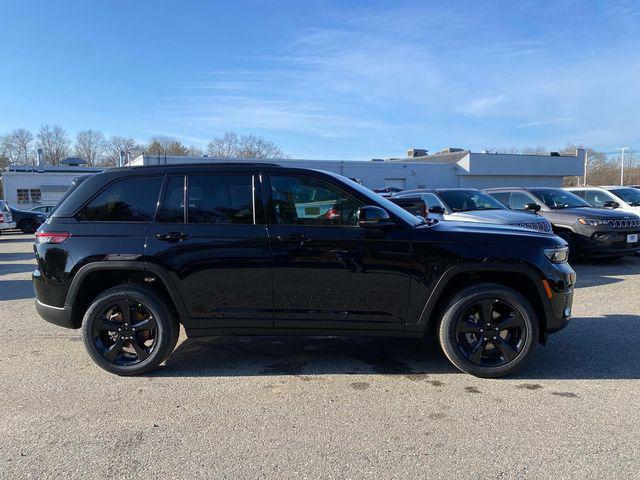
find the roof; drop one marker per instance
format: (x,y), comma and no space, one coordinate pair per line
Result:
(73,161)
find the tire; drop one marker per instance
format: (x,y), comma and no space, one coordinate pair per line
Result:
(464,330)
(139,350)
(28,226)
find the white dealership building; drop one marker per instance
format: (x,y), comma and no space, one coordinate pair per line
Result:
(28,186)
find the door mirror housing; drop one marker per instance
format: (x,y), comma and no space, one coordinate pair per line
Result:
(437,209)
(532,207)
(371,216)
(611,204)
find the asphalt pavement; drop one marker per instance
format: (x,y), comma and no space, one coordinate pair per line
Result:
(289,407)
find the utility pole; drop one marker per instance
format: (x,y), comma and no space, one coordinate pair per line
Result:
(622,149)
(586,154)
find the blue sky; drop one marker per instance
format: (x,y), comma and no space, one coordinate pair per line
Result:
(328,79)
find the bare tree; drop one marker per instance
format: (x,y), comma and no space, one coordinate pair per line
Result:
(160,144)
(90,146)
(232,145)
(17,147)
(54,142)
(117,144)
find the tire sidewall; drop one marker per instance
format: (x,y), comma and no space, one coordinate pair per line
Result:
(164,334)
(457,307)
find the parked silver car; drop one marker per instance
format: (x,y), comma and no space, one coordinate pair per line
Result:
(471,205)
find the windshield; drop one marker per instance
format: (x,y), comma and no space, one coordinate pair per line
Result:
(555,198)
(629,195)
(391,207)
(597,198)
(469,200)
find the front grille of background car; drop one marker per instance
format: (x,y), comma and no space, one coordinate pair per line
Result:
(624,222)
(539,226)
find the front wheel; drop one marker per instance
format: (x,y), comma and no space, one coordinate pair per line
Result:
(488,330)
(129,330)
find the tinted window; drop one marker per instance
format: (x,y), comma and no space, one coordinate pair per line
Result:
(431,200)
(172,208)
(518,200)
(221,199)
(629,195)
(128,200)
(469,200)
(501,196)
(596,198)
(557,199)
(309,201)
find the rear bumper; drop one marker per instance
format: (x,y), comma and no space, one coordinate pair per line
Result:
(7,225)
(60,316)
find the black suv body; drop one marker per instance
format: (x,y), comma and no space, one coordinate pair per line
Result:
(590,232)
(258,249)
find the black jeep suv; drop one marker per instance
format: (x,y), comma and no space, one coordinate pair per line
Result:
(590,232)
(258,249)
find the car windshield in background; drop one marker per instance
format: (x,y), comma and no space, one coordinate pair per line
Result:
(558,199)
(391,207)
(629,195)
(469,200)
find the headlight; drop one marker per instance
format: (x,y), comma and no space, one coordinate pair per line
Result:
(557,254)
(592,222)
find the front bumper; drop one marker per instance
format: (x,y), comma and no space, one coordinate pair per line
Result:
(7,225)
(561,279)
(610,243)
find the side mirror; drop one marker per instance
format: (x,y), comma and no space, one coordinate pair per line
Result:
(611,204)
(437,209)
(532,207)
(373,217)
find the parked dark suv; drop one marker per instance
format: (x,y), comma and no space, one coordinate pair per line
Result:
(257,249)
(590,232)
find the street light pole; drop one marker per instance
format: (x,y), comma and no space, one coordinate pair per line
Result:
(622,149)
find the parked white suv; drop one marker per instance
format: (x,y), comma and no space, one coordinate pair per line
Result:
(6,220)
(627,198)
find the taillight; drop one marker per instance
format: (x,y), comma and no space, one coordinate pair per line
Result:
(51,237)
(1,218)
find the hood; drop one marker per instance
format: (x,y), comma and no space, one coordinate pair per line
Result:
(492,232)
(589,212)
(505,217)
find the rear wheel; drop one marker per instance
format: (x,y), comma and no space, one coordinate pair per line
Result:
(129,330)
(488,330)
(28,226)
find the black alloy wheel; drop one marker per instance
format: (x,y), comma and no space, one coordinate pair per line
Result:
(488,330)
(130,329)
(125,332)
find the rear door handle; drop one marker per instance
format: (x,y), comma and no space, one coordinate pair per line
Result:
(172,236)
(293,237)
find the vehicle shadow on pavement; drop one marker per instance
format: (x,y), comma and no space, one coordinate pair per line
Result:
(16,289)
(593,273)
(290,355)
(16,257)
(590,348)
(9,268)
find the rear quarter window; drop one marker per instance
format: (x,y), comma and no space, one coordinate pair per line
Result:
(126,200)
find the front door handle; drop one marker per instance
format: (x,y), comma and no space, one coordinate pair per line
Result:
(172,236)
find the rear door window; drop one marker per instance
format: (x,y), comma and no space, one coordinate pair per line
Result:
(172,207)
(221,199)
(126,200)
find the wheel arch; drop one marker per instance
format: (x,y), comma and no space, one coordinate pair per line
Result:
(96,277)
(520,278)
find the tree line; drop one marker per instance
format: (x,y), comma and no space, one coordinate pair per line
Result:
(19,147)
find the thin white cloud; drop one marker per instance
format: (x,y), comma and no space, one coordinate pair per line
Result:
(541,123)
(483,105)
